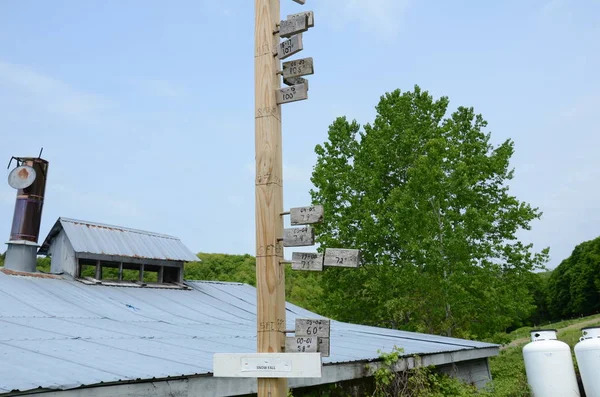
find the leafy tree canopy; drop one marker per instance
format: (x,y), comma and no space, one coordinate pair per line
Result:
(423,194)
(301,288)
(574,286)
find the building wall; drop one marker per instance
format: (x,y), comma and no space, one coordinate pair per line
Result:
(475,372)
(63,255)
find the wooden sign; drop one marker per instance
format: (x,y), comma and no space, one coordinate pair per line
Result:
(267,365)
(298,237)
(296,81)
(290,47)
(309,14)
(310,261)
(295,344)
(342,257)
(298,68)
(313,328)
(292,26)
(306,215)
(292,94)
(323,346)
(300,1)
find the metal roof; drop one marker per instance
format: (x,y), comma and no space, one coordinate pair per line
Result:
(62,334)
(97,238)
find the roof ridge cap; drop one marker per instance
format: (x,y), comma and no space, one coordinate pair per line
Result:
(116,228)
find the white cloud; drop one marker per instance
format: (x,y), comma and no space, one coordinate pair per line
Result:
(7,197)
(583,107)
(383,16)
(552,7)
(237,201)
(560,176)
(158,87)
(103,204)
(30,88)
(250,168)
(293,173)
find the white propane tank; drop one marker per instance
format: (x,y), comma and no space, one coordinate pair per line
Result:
(587,352)
(549,366)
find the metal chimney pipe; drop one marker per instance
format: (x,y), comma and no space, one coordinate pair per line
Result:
(30,201)
(21,253)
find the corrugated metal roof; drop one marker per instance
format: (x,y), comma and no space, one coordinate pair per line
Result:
(97,238)
(62,334)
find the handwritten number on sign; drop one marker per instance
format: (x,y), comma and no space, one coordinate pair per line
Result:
(289,95)
(311,331)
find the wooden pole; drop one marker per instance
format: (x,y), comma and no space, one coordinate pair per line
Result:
(270,276)
(98,270)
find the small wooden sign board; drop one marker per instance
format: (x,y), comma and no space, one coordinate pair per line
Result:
(309,14)
(323,346)
(340,257)
(290,47)
(298,237)
(267,365)
(298,68)
(292,94)
(306,215)
(313,328)
(296,81)
(292,26)
(311,261)
(295,344)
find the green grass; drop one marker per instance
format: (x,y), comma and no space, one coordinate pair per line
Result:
(508,374)
(571,336)
(524,332)
(508,368)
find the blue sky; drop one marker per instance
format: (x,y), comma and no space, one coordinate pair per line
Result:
(145,109)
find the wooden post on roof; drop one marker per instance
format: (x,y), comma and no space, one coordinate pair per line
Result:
(270,275)
(159,276)
(141,276)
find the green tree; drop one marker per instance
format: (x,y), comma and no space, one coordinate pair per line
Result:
(222,267)
(43,264)
(574,286)
(301,288)
(538,288)
(424,196)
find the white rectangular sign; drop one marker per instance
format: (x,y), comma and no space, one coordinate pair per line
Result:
(298,237)
(298,68)
(309,14)
(306,215)
(292,94)
(295,344)
(252,364)
(324,346)
(296,81)
(290,47)
(307,261)
(267,365)
(292,26)
(312,327)
(340,257)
